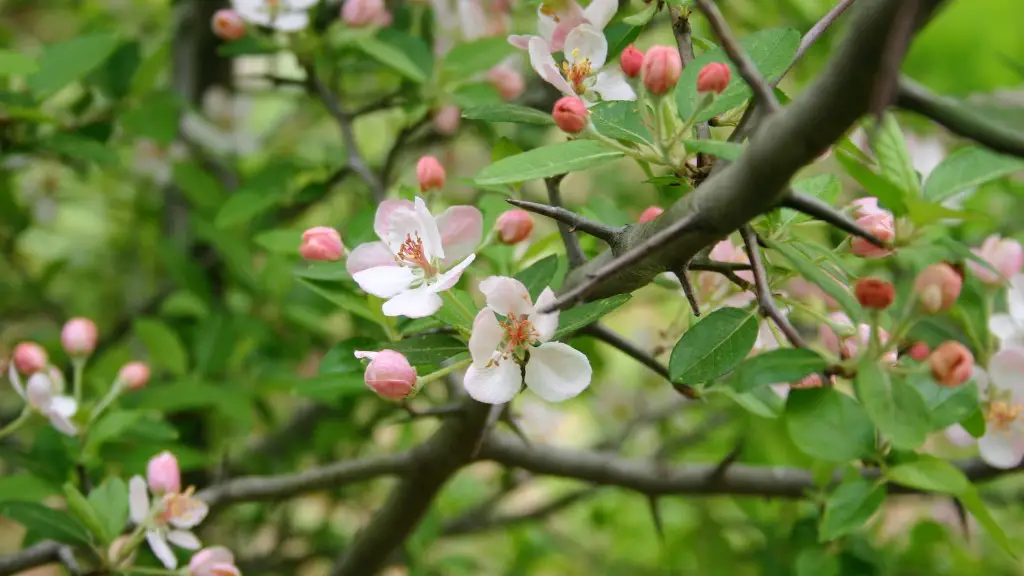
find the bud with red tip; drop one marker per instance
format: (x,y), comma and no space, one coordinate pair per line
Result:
(874,293)
(228,25)
(29,358)
(389,374)
(430,174)
(361,13)
(570,114)
(134,375)
(883,226)
(937,287)
(163,474)
(321,243)
(713,77)
(951,363)
(650,213)
(78,336)
(919,351)
(631,60)
(661,69)
(514,226)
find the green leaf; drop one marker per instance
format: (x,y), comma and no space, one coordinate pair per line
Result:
(813,418)
(78,147)
(930,474)
(459,316)
(429,349)
(947,405)
(249,44)
(889,194)
(923,213)
(23,486)
(472,58)
(771,50)
(781,366)
(65,62)
(620,119)
(46,522)
(967,168)
(164,346)
(199,186)
(115,76)
(109,427)
(538,277)
(332,387)
(322,271)
(341,358)
(713,346)
(814,273)
(16,64)
(893,156)
(343,299)
(392,56)
(642,17)
(824,187)
(284,242)
(973,503)
(618,36)
(547,161)
(895,407)
(85,513)
(110,501)
(849,506)
(763,401)
(974,423)
(242,206)
(504,112)
(578,317)
(155,116)
(730,151)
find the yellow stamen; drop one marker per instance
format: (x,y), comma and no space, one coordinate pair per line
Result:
(1002,414)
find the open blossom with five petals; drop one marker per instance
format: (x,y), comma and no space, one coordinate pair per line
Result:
(167,520)
(586,50)
(511,344)
(283,15)
(407,265)
(1002,445)
(556,19)
(45,394)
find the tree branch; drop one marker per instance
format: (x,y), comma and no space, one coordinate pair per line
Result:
(765,299)
(47,552)
(744,65)
(813,34)
(609,337)
(571,219)
(959,119)
(682,274)
(821,211)
(573,250)
(684,42)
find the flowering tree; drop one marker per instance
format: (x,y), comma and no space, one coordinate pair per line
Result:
(316,304)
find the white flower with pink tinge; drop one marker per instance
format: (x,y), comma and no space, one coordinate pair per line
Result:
(586,51)
(167,520)
(516,347)
(283,15)
(555,20)
(44,393)
(1009,327)
(1002,445)
(406,265)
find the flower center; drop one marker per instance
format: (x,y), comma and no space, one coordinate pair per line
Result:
(577,72)
(411,253)
(1003,414)
(178,505)
(519,333)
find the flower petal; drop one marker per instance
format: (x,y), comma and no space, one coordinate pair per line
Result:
(451,277)
(64,405)
(612,85)
(485,337)
(998,449)
(462,228)
(382,220)
(472,19)
(291,21)
(494,384)
(1006,370)
(15,378)
(62,424)
(39,390)
(415,303)
(545,324)
(557,371)
(138,499)
(192,514)
(546,26)
(385,281)
(161,550)
(369,255)
(296,5)
(1015,299)
(959,436)
(506,296)
(544,65)
(520,41)
(184,539)
(600,12)
(366,354)
(586,42)
(432,246)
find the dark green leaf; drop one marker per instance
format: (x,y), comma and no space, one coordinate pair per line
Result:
(343,299)
(24,487)
(713,346)
(164,346)
(895,407)
(393,56)
(110,426)
(79,148)
(849,506)
(642,17)
(825,187)
(429,349)
(115,76)
(618,36)
(504,112)
(781,366)
(893,156)
(813,418)
(763,401)
(578,317)
(341,359)
(65,62)
(155,116)
(538,277)
(332,387)
(930,474)
(947,405)
(547,161)
(249,44)
(46,522)
(459,316)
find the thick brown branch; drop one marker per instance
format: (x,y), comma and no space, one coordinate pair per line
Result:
(744,65)
(571,219)
(765,299)
(817,209)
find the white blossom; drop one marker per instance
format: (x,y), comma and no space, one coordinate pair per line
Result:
(586,51)
(1002,445)
(556,20)
(283,15)
(170,523)
(45,394)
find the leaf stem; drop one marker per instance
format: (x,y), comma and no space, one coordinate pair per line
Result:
(17,423)
(438,374)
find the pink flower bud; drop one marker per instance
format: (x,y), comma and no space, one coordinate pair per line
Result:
(430,174)
(214,561)
(919,351)
(163,474)
(866,206)
(321,243)
(508,82)
(514,226)
(1003,254)
(78,336)
(874,293)
(570,114)
(29,358)
(631,61)
(937,287)
(228,25)
(447,120)
(361,13)
(880,224)
(713,77)
(650,213)
(661,69)
(951,363)
(135,375)
(389,374)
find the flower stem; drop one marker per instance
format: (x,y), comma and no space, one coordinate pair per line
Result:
(77,367)
(18,422)
(611,142)
(115,391)
(438,374)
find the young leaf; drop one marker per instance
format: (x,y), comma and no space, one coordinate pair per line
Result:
(713,346)
(642,17)
(468,59)
(889,194)
(65,62)
(547,161)
(930,474)
(895,407)
(321,271)
(244,206)
(573,319)
(893,156)
(620,119)
(504,112)
(849,507)
(284,242)
(618,36)
(85,513)
(46,522)
(967,168)
(538,277)
(344,300)
(392,56)
(429,349)
(164,346)
(332,388)
(110,501)
(827,424)
(814,273)
(781,366)
(16,64)
(762,401)
(946,405)
(730,151)
(341,358)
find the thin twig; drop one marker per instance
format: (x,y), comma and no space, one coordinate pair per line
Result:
(571,219)
(762,91)
(400,140)
(683,276)
(705,265)
(764,291)
(573,250)
(612,339)
(813,34)
(684,42)
(822,211)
